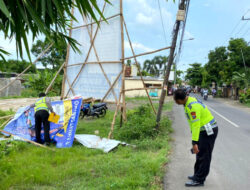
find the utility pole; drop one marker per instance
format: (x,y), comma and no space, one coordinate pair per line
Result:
(243,18)
(181,12)
(244,63)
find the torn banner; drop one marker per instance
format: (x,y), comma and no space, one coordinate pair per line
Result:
(96,142)
(62,133)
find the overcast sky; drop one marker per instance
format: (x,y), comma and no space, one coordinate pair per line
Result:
(210,22)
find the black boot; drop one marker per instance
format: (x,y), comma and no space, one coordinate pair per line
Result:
(191,177)
(193,183)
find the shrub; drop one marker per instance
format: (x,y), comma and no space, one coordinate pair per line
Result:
(140,125)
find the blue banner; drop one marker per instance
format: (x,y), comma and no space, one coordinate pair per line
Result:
(62,133)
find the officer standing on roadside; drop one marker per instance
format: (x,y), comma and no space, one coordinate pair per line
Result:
(204,132)
(42,108)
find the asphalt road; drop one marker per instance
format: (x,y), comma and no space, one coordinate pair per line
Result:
(230,167)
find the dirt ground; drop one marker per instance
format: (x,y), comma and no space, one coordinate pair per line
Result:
(14,104)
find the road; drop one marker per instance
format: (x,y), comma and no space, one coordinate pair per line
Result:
(230,167)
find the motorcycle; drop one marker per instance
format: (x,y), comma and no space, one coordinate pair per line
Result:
(97,110)
(205,95)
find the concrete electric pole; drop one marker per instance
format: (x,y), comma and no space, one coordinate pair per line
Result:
(180,18)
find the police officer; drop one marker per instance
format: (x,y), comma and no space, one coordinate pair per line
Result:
(204,132)
(42,108)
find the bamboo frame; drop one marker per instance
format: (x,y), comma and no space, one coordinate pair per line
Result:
(147,53)
(133,89)
(67,58)
(92,23)
(131,46)
(7,116)
(26,140)
(116,110)
(27,68)
(123,109)
(72,84)
(118,76)
(98,60)
(4,123)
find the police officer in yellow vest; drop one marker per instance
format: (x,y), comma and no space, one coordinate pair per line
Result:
(204,132)
(42,108)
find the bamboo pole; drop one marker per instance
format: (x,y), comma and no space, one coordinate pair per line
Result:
(67,57)
(52,82)
(147,53)
(91,23)
(138,67)
(132,89)
(72,90)
(90,48)
(115,114)
(4,123)
(123,109)
(27,68)
(118,76)
(98,60)
(95,62)
(7,116)
(26,140)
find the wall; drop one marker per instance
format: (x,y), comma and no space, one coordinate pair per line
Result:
(12,90)
(136,83)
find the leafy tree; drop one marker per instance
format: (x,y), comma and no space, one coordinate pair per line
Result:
(50,17)
(214,68)
(234,48)
(156,66)
(194,74)
(40,81)
(54,57)
(16,66)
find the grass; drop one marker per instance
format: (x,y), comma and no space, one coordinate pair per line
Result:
(140,98)
(24,166)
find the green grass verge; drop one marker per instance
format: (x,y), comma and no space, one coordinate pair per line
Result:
(24,166)
(140,98)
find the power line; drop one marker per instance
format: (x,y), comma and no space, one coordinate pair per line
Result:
(246,32)
(242,27)
(238,23)
(163,28)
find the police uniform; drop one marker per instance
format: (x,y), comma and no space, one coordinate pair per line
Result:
(204,132)
(42,107)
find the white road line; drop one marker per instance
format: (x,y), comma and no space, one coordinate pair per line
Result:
(232,123)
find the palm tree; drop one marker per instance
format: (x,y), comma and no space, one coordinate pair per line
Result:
(48,17)
(156,66)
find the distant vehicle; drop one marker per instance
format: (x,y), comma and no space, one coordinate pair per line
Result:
(205,94)
(213,93)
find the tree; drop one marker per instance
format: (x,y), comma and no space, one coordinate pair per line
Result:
(50,17)
(15,66)
(156,66)
(194,74)
(54,57)
(40,81)
(178,77)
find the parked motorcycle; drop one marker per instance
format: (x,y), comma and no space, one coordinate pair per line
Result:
(97,110)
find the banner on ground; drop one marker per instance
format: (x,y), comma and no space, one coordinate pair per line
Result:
(62,133)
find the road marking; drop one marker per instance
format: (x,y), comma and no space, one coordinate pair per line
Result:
(232,123)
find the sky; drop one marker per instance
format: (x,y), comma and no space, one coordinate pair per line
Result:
(210,22)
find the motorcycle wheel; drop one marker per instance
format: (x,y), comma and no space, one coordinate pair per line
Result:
(81,115)
(103,112)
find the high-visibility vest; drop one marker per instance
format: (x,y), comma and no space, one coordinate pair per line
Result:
(198,115)
(41,105)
